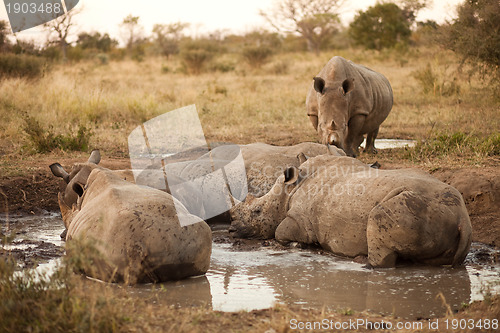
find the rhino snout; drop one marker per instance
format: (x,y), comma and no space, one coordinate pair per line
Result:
(334,140)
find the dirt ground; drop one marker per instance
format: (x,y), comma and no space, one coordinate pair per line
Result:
(34,189)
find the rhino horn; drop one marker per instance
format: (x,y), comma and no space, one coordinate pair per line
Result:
(302,158)
(58,171)
(95,156)
(291,175)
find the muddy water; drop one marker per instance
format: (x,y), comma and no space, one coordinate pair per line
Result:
(391,143)
(247,280)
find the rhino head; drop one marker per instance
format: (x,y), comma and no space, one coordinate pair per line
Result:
(333,111)
(75,183)
(259,217)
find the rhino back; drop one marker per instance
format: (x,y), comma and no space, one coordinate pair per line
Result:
(137,230)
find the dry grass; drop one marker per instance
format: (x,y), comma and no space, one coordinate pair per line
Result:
(244,105)
(70,303)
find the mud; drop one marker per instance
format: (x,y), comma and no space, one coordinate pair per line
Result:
(252,275)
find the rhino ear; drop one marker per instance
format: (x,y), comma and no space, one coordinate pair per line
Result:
(347,86)
(319,84)
(58,171)
(291,175)
(95,156)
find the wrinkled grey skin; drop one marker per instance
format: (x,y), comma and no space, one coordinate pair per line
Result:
(345,102)
(353,210)
(134,229)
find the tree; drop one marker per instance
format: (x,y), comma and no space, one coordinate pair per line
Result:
(315,20)
(4,32)
(167,36)
(381,26)
(411,8)
(132,31)
(475,35)
(96,41)
(59,30)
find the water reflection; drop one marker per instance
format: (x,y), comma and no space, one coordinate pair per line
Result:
(318,281)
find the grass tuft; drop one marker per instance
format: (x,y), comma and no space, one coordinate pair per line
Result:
(457,143)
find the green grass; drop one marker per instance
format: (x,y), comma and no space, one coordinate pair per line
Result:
(458,144)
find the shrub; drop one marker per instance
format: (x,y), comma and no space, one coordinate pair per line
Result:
(195,60)
(256,56)
(44,140)
(12,65)
(432,83)
(281,67)
(223,67)
(102,58)
(197,54)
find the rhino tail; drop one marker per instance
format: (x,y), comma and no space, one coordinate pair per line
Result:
(464,242)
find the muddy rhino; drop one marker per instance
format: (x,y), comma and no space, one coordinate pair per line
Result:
(135,229)
(353,210)
(346,101)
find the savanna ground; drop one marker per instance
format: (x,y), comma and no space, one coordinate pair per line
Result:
(456,119)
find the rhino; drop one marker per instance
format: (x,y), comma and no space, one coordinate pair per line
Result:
(264,163)
(346,101)
(352,210)
(134,229)
(247,169)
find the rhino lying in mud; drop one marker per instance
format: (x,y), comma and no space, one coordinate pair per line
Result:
(264,163)
(134,229)
(228,172)
(353,210)
(346,101)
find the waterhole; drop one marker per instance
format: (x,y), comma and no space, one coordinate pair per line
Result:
(258,279)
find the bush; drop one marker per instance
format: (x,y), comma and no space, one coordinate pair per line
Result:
(281,67)
(432,83)
(44,140)
(12,65)
(256,56)
(197,54)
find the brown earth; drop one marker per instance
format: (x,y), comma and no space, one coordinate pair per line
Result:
(35,189)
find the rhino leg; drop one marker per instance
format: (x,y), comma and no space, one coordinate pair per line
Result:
(355,125)
(370,142)
(290,230)
(393,230)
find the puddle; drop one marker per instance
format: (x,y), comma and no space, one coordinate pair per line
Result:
(248,280)
(391,143)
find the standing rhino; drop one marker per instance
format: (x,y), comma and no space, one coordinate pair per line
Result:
(353,210)
(345,102)
(134,229)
